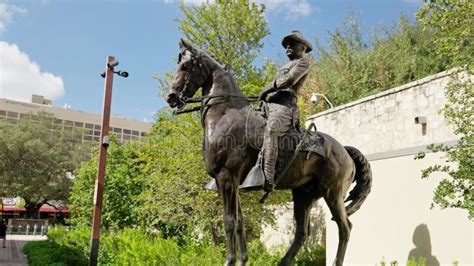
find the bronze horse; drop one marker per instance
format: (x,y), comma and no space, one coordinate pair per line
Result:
(224,113)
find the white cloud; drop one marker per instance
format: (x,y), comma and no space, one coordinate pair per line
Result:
(188,2)
(20,77)
(291,9)
(6,14)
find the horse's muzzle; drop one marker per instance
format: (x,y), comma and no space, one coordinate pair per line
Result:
(173,100)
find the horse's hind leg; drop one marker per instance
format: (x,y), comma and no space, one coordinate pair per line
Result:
(241,236)
(228,190)
(338,211)
(302,203)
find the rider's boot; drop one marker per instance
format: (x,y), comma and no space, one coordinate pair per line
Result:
(269,162)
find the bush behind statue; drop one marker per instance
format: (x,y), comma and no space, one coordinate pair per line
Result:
(133,246)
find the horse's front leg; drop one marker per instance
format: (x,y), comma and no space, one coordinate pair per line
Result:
(244,257)
(228,190)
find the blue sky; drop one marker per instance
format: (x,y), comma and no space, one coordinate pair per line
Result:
(59,48)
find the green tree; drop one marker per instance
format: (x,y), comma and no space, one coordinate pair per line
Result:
(232,31)
(350,68)
(452,23)
(123,184)
(34,160)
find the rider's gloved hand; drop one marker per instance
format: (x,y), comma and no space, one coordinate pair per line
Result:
(263,95)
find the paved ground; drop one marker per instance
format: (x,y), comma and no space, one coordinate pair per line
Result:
(13,255)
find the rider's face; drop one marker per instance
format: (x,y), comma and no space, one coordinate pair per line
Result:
(295,50)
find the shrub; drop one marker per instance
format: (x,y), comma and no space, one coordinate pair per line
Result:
(136,247)
(311,255)
(50,253)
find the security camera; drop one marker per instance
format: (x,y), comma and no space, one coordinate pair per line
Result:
(105,141)
(314,98)
(113,64)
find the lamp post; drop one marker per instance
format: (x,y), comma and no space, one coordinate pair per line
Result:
(104,143)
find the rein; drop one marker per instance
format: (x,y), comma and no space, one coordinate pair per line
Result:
(204,100)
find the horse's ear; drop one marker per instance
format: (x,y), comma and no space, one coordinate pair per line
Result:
(182,43)
(185,45)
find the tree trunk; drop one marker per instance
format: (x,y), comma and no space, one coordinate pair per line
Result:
(32,209)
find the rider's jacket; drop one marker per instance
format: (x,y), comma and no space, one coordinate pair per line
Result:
(290,78)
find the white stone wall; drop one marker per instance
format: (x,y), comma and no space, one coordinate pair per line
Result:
(400,201)
(386,121)
(382,126)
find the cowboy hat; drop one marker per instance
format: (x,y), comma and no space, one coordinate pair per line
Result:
(296,36)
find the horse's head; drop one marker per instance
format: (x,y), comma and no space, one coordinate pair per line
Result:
(191,74)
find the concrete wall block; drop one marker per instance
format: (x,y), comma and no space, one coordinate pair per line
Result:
(385,121)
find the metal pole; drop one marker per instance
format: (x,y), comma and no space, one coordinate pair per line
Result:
(99,182)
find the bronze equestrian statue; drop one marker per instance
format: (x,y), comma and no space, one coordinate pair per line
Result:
(231,142)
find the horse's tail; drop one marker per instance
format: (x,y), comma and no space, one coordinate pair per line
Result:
(363,179)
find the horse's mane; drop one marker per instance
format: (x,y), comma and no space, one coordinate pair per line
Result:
(224,68)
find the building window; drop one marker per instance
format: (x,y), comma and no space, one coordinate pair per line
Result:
(78,124)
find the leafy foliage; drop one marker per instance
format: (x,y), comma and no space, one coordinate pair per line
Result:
(232,31)
(136,247)
(50,253)
(34,159)
(349,68)
(452,21)
(123,181)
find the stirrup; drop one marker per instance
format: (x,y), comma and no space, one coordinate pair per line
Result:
(212,185)
(254,180)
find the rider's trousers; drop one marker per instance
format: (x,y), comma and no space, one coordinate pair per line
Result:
(279,122)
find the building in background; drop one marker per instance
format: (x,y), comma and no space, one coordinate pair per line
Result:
(397,220)
(68,119)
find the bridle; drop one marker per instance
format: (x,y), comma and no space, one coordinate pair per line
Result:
(204,100)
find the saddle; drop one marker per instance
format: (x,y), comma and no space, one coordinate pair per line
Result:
(313,141)
(295,141)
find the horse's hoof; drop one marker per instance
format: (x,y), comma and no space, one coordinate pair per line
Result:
(230,262)
(243,259)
